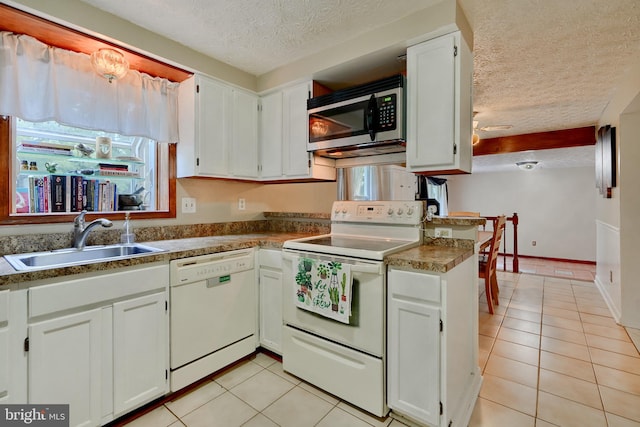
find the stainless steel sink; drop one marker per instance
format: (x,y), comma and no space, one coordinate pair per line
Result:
(72,256)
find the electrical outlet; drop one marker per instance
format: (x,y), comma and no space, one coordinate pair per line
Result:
(242,204)
(188,205)
(444,232)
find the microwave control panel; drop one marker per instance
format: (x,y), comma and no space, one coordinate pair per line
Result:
(387,112)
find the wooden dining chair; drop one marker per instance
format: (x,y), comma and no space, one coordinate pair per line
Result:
(487,268)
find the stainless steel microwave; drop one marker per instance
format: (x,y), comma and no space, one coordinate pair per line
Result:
(359,121)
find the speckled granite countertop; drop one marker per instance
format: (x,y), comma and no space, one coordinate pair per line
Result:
(175,249)
(458,220)
(435,258)
(437,255)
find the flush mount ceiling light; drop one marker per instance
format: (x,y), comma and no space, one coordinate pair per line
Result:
(527,166)
(495,127)
(109,63)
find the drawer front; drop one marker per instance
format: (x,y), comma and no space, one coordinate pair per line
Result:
(87,291)
(415,285)
(270,258)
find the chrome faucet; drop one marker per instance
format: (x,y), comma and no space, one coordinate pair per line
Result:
(81,231)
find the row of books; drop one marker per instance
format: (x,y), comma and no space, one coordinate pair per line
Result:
(44,148)
(70,193)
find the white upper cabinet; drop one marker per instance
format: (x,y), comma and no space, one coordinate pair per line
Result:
(283,139)
(439,117)
(218,130)
(271,154)
(244,141)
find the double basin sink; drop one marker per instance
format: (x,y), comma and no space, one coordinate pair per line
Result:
(72,256)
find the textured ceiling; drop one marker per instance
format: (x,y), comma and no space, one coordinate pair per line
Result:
(539,65)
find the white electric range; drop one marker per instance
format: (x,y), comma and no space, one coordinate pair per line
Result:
(345,357)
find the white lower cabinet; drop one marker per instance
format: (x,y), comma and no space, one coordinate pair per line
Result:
(13,362)
(99,343)
(65,360)
(432,370)
(139,351)
(270,286)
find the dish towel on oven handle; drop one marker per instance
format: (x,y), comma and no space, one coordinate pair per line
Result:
(323,287)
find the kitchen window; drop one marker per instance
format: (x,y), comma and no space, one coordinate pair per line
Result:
(52,171)
(39,151)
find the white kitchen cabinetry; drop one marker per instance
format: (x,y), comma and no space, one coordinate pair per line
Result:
(439,117)
(283,144)
(218,130)
(140,351)
(4,346)
(433,376)
(270,285)
(99,342)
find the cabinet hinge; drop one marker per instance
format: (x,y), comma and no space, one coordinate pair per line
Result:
(455,149)
(166,305)
(197,88)
(441,326)
(197,161)
(166,374)
(259,107)
(441,409)
(455,51)
(26,344)
(309,94)
(309,161)
(450,423)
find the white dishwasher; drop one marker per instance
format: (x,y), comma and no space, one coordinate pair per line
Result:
(213,313)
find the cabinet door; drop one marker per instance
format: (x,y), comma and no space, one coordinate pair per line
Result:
(244,140)
(271,154)
(413,339)
(271,309)
(65,365)
(294,149)
(140,351)
(4,346)
(213,122)
(431,104)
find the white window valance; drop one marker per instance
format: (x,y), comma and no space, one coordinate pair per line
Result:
(41,83)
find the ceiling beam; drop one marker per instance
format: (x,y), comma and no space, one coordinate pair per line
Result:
(536,141)
(53,34)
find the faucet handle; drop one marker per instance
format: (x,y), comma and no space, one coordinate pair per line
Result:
(79,220)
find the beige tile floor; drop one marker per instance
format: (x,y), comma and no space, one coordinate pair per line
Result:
(550,356)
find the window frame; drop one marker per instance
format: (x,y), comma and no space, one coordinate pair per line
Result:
(8,218)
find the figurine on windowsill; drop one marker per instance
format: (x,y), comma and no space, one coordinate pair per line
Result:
(85,150)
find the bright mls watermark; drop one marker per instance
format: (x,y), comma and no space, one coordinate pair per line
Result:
(34,415)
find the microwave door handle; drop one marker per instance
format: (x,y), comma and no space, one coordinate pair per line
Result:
(372,115)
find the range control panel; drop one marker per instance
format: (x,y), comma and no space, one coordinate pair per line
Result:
(378,212)
(205,267)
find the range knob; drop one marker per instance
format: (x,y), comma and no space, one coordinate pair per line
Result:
(344,210)
(390,211)
(400,211)
(410,211)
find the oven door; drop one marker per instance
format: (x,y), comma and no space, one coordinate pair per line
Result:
(365,331)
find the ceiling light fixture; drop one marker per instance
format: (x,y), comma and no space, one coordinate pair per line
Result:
(528,165)
(495,127)
(109,63)
(475,138)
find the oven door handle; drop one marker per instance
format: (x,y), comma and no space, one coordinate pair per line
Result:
(355,268)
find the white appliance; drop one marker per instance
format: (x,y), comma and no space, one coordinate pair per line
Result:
(348,360)
(213,313)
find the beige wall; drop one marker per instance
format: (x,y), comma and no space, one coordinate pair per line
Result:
(555,208)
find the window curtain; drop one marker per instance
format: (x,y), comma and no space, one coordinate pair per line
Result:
(437,189)
(41,83)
